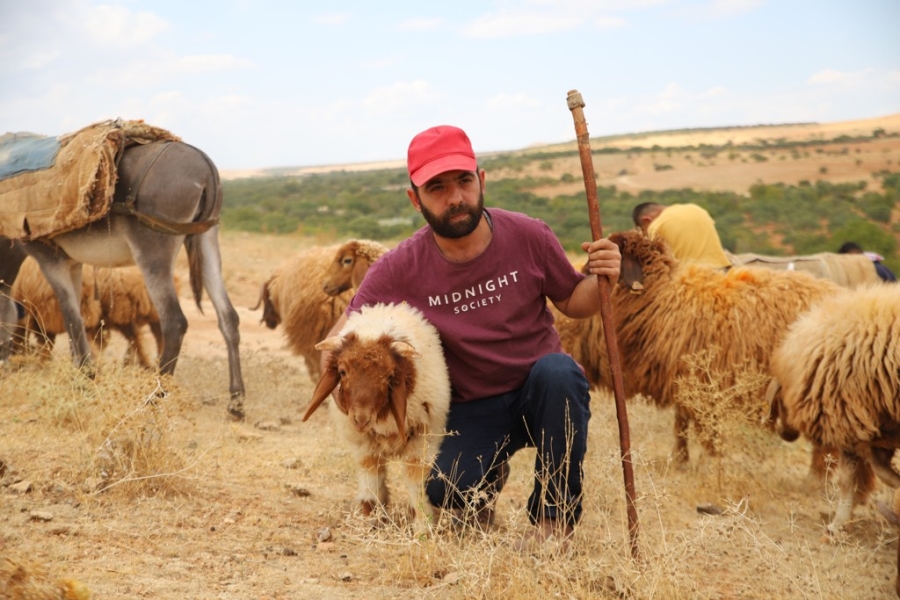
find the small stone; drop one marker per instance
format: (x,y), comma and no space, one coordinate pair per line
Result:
(21,487)
(710,509)
(40,515)
(92,484)
(268,426)
(451,577)
(297,490)
(61,530)
(324,535)
(246,436)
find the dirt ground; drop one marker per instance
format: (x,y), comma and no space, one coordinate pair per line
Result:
(261,509)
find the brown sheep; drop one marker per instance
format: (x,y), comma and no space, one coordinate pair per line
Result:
(294,295)
(392,389)
(350,265)
(583,340)
(838,368)
(43,316)
(111,300)
(666,311)
(126,307)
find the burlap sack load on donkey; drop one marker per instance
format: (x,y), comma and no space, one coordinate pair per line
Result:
(50,185)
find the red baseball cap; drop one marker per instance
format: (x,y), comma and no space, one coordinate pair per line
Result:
(437,150)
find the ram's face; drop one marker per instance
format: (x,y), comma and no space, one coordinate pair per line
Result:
(367,370)
(339,276)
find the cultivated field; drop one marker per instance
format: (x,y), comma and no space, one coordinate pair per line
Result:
(202,507)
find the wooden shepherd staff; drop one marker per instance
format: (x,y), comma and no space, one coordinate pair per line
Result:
(576,104)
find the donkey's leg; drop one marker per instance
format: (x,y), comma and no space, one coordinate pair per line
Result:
(64,277)
(210,261)
(155,254)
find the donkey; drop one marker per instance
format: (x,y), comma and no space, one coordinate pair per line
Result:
(167,194)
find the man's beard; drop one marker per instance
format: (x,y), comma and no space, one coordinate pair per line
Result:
(446,228)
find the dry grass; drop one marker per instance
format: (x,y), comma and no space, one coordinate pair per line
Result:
(196,506)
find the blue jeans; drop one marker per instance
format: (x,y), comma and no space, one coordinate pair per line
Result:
(550,413)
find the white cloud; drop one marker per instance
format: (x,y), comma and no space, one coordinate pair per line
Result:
(827,76)
(419,24)
(116,25)
(731,8)
(607,22)
(401,95)
(511,23)
(205,63)
(165,69)
(715,92)
(32,60)
(379,63)
(336,18)
(505,102)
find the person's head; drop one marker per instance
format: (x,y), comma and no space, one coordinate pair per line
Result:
(445,180)
(850,248)
(644,214)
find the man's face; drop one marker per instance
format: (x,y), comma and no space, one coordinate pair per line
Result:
(457,199)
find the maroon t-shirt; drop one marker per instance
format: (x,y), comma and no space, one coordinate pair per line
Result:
(491,311)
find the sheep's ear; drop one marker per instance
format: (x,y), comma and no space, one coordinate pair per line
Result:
(327,382)
(398,404)
(770,399)
(263,295)
(888,513)
(404,349)
(360,268)
(632,274)
(331,344)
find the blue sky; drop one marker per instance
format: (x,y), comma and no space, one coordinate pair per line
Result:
(258,84)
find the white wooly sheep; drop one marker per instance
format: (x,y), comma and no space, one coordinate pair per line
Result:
(847,270)
(350,265)
(839,371)
(392,397)
(294,296)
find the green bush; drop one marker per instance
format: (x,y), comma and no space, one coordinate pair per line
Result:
(807,217)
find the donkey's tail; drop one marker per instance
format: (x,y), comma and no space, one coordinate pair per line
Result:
(210,208)
(195,268)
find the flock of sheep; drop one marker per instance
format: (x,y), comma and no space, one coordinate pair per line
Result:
(831,352)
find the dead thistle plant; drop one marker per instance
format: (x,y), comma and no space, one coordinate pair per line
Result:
(722,402)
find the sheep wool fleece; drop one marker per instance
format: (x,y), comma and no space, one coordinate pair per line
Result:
(496,329)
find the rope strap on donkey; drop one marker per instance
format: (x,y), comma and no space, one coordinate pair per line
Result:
(129,207)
